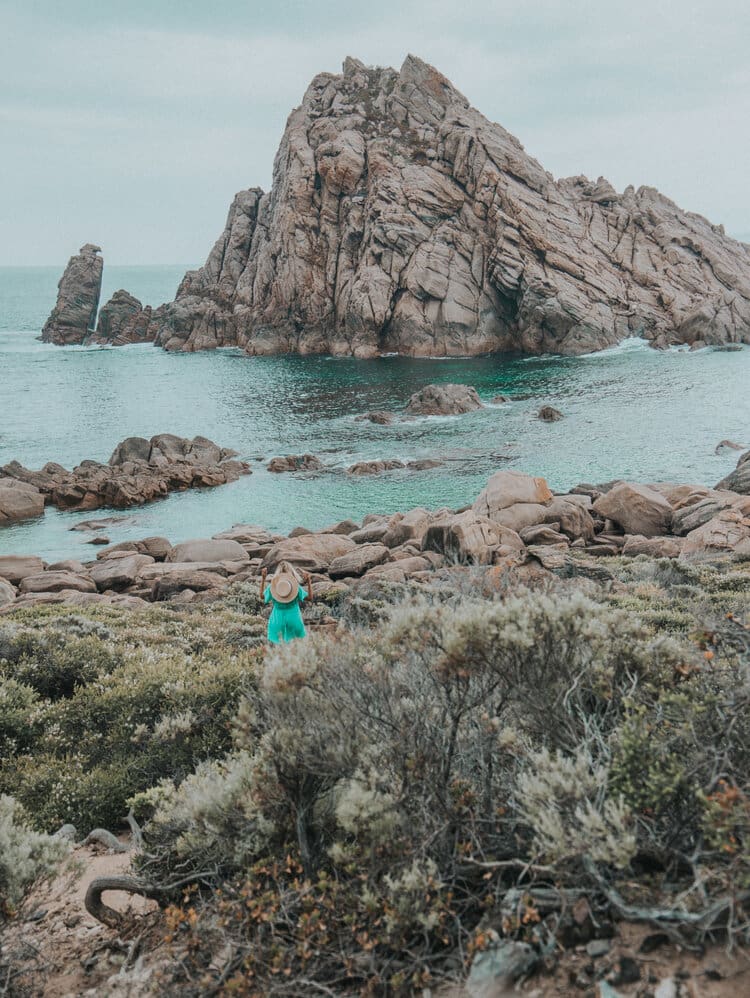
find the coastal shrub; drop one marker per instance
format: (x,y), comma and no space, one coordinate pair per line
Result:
(154,695)
(25,855)
(374,773)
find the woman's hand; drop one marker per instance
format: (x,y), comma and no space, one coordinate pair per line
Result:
(308,584)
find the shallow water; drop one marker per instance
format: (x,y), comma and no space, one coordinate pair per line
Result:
(630,412)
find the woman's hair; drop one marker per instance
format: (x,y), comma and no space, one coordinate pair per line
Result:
(285,568)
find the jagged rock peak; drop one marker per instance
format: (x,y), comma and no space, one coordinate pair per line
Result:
(74,314)
(401,219)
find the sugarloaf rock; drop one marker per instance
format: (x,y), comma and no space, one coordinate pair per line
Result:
(401,220)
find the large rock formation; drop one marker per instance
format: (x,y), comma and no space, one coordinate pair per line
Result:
(400,219)
(74,316)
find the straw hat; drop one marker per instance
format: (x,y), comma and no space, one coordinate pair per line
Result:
(284,587)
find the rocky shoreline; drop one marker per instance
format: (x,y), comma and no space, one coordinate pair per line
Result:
(516,524)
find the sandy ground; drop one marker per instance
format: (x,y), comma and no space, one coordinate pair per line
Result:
(58,950)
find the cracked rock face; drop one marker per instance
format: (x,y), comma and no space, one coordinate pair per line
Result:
(122,320)
(402,220)
(74,316)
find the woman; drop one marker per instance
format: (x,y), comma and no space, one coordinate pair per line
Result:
(286,594)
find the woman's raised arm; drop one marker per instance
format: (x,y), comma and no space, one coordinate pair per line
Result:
(263,575)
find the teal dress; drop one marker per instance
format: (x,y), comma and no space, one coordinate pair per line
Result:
(285,622)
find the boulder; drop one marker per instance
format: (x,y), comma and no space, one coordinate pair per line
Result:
(55,582)
(506,488)
(123,320)
(424,464)
(548,414)
(390,572)
(521,516)
(19,501)
(739,479)
(342,527)
(444,400)
(358,561)
(14,567)
(636,509)
(573,515)
(73,318)
(411,527)
(161,570)
(408,565)
(177,582)
(69,565)
(311,553)
(7,593)
(469,537)
(208,550)
(726,534)
(294,462)
(654,547)
(374,467)
(543,534)
(246,533)
(374,529)
(687,518)
(119,573)
(549,556)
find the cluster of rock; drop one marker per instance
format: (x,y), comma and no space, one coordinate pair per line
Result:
(138,471)
(401,219)
(515,523)
(73,320)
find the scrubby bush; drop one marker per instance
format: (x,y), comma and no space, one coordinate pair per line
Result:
(93,711)
(25,855)
(387,786)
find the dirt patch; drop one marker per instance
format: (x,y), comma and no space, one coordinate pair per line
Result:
(55,949)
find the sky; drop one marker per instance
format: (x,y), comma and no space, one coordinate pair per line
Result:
(132,124)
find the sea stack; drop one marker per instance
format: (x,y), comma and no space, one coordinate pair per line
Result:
(74,316)
(401,220)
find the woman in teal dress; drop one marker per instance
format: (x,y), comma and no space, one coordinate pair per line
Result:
(287,595)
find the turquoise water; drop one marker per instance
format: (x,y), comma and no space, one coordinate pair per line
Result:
(630,412)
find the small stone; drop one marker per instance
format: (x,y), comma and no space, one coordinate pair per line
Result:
(548,414)
(98,540)
(598,947)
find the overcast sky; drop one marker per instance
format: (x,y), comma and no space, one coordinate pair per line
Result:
(132,124)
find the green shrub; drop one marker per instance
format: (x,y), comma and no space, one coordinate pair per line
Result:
(25,855)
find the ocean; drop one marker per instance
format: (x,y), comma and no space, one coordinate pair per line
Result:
(630,413)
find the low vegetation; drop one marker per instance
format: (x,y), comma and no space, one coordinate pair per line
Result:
(364,811)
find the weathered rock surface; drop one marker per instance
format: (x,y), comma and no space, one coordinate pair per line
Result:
(739,479)
(654,547)
(55,582)
(636,509)
(400,219)
(469,537)
(727,533)
(14,567)
(507,488)
(358,561)
(119,573)
(139,471)
(444,400)
(19,500)
(74,316)
(123,320)
(312,553)
(295,462)
(208,550)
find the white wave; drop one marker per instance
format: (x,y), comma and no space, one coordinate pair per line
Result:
(631,344)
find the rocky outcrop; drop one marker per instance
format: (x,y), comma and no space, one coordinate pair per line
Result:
(139,471)
(443,400)
(74,316)
(739,479)
(123,320)
(400,219)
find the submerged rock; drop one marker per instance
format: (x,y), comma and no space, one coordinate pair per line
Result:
(19,500)
(73,318)
(295,462)
(548,414)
